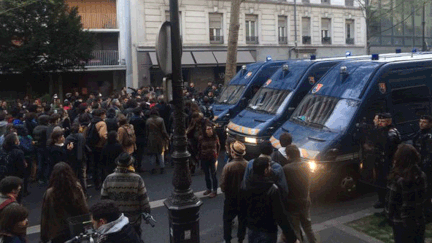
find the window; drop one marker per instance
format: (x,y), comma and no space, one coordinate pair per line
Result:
(167,18)
(325,1)
(251,29)
(326,31)
(305,1)
(306,30)
(349,3)
(282,30)
(215,24)
(349,31)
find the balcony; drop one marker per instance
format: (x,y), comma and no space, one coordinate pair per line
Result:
(99,20)
(306,40)
(104,58)
(283,40)
(350,41)
(326,40)
(214,39)
(251,39)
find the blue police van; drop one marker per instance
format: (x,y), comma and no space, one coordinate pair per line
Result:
(235,97)
(275,101)
(325,124)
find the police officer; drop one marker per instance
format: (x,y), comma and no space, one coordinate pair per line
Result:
(422,141)
(368,135)
(387,143)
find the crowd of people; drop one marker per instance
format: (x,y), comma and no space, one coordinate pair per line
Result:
(104,142)
(94,141)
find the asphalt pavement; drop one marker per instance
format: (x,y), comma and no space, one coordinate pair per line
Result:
(327,212)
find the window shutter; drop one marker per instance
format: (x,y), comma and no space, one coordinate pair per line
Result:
(215,21)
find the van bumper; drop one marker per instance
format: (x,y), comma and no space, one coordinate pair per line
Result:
(252,149)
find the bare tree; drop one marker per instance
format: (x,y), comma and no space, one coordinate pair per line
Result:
(233,34)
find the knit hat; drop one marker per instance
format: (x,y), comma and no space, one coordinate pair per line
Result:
(238,148)
(124,159)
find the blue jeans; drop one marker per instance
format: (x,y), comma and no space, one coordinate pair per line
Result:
(209,167)
(154,158)
(261,237)
(42,160)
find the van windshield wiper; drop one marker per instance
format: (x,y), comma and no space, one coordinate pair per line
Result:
(299,119)
(322,126)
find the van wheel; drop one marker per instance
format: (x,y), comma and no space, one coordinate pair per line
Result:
(348,184)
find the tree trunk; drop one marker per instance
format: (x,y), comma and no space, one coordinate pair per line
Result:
(231,61)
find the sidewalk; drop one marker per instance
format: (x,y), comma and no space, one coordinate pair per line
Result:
(335,230)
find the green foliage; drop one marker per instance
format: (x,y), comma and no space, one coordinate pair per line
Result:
(42,36)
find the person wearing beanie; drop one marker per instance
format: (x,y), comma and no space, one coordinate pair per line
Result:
(232,175)
(128,190)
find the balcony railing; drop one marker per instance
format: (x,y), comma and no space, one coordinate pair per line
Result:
(326,40)
(306,40)
(104,58)
(214,39)
(251,39)
(350,41)
(99,20)
(283,40)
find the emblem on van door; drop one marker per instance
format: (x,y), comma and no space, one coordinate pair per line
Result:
(267,83)
(316,88)
(312,80)
(382,88)
(248,74)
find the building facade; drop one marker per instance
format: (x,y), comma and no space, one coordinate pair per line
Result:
(324,28)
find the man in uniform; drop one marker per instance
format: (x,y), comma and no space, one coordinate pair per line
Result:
(367,136)
(422,141)
(387,143)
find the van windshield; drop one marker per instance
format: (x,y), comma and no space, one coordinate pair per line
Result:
(324,112)
(268,100)
(231,94)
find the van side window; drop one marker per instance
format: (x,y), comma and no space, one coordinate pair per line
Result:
(410,103)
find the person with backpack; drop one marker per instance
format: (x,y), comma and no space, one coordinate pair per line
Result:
(77,156)
(96,137)
(26,145)
(40,138)
(13,157)
(126,135)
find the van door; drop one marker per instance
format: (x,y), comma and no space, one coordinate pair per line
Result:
(409,104)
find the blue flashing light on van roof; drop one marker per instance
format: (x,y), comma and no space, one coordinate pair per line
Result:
(398,50)
(375,56)
(313,57)
(268,58)
(325,124)
(348,53)
(414,50)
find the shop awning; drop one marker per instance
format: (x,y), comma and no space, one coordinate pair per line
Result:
(242,57)
(204,58)
(186,59)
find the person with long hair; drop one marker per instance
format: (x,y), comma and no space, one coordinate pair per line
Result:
(208,149)
(13,224)
(63,199)
(406,196)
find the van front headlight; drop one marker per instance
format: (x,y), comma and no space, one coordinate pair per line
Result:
(251,140)
(312,166)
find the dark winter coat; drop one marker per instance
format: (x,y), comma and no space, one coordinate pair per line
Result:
(12,239)
(111,124)
(58,154)
(77,155)
(17,166)
(157,137)
(422,141)
(40,136)
(297,176)
(139,125)
(208,147)
(109,154)
(262,205)
(232,176)
(280,156)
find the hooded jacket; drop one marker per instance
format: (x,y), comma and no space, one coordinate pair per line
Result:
(118,231)
(263,208)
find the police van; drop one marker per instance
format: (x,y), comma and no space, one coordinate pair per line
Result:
(235,97)
(325,124)
(275,101)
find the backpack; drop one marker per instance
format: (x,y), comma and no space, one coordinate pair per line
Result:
(130,137)
(92,137)
(4,164)
(26,144)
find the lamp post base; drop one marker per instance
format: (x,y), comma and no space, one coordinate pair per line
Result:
(183,209)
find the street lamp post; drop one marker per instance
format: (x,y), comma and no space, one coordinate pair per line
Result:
(183,206)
